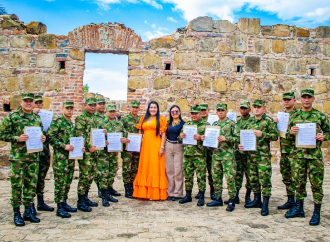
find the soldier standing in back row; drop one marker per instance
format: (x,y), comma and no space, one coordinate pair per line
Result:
(308,161)
(24,166)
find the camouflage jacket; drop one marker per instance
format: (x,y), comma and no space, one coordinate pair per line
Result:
(241,124)
(269,133)
(12,127)
(100,119)
(322,125)
(129,122)
(84,123)
(113,126)
(199,149)
(225,150)
(287,144)
(59,133)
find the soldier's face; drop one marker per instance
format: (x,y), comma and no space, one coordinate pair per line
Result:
(27,105)
(135,110)
(38,104)
(222,114)
(90,108)
(100,107)
(307,101)
(244,111)
(258,111)
(153,109)
(111,114)
(204,113)
(67,112)
(195,117)
(288,103)
(117,114)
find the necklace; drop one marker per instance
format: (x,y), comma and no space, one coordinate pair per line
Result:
(175,123)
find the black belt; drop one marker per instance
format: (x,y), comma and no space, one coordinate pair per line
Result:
(172,142)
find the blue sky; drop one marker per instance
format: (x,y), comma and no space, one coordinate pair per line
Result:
(155,18)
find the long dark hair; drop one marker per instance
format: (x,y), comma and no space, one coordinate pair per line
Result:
(171,118)
(157,116)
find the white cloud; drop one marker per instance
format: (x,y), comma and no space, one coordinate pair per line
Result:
(153,26)
(154,34)
(172,19)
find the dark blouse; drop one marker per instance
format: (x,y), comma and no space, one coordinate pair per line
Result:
(172,133)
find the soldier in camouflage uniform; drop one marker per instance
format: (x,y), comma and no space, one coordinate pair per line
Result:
(194,158)
(24,166)
(259,161)
(59,134)
(44,163)
(308,161)
(223,160)
(130,159)
(87,167)
(286,147)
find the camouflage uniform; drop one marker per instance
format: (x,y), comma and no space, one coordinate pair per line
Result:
(24,166)
(101,120)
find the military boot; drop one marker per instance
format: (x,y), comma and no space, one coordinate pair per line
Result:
(68,208)
(289,204)
(212,192)
(18,220)
(315,220)
(248,196)
(113,192)
(33,209)
(201,199)
(81,205)
(110,198)
(105,202)
(256,203)
(99,193)
(297,210)
(61,212)
(187,198)
(42,206)
(264,207)
(198,195)
(127,190)
(28,215)
(89,202)
(217,202)
(231,205)
(236,199)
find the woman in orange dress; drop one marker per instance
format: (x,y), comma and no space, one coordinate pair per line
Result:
(150,181)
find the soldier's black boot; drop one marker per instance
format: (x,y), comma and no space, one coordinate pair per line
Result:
(99,193)
(28,216)
(131,188)
(42,206)
(113,192)
(89,202)
(61,212)
(187,198)
(68,208)
(248,196)
(236,198)
(289,204)
(231,205)
(105,202)
(33,209)
(297,210)
(264,207)
(256,203)
(198,195)
(217,202)
(315,220)
(18,220)
(201,199)
(212,192)
(81,205)
(127,190)
(110,198)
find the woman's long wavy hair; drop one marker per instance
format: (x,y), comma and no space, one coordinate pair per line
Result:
(157,116)
(171,118)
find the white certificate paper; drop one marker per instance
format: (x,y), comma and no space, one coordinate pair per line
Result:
(306,135)
(135,142)
(78,144)
(282,124)
(190,131)
(114,142)
(33,144)
(98,138)
(211,136)
(212,118)
(232,116)
(46,118)
(248,140)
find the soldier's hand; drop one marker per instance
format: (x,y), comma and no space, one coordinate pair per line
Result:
(107,142)
(123,140)
(257,133)
(69,148)
(221,138)
(294,130)
(83,149)
(36,110)
(197,137)
(240,147)
(23,138)
(276,119)
(203,137)
(319,137)
(127,141)
(105,131)
(182,135)
(92,149)
(43,138)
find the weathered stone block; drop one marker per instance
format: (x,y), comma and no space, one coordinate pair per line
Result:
(208,64)
(46,102)
(138,83)
(326,49)
(258,45)
(4,161)
(183,104)
(207,45)
(202,24)
(296,66)
(165,42)
(45,60)
(323,32)
(12,84)
(3,41)
(138,72)
(223,26)
(180,85)
(278,46)
(3,144)
(267,30)
(226,64)
(276,66)
(235,86)
(223,46)
(46,41)
(281,30)
(2,60)
(77,55)
(185,61)
(53,84)
(220,85)
(325,68)
(161,83)
(31,83)
(15,100)
(162,104)
(36,28)
(249,25)
(320,87)
(287,85)
(11,23)
(19,59)
(291,47)
(252,64)
(205,84)
(231,105)
(4,72)
(266,48)
(266,86)
(134,59)
(20,41)
(311,48)
(187,44)
(275,107)
(301,32)
(238,43)
(326,107)
(152,61)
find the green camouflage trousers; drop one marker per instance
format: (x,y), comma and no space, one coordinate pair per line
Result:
(87,171)
(260,174)
(241,170)
(315,170)
(227,167)
(23,179)
(209,154)
(63,169)
(107,166)
(44,163)
(130,165)
(286,171)
(190,164)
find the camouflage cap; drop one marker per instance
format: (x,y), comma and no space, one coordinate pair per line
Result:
(111,107)
(203,106)
(307,91)
(27,95)
(288,95)
(222,106)
(259,102)
(38,97)
(245,105)
(68,104)
(100,100)
(195,109)
(90,100)
(135,103)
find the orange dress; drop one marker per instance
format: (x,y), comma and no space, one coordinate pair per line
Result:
(150,181)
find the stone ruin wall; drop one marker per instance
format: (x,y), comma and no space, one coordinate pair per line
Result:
(207,61)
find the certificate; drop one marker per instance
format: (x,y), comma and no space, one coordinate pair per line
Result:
(212,118)
(190,131)
(33,144)
(306,135)
(46,118)
(282,124)
(78,144)
(211,136)
(98,138)
(114,142)
(232,116)
(248,140)
(135,142)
